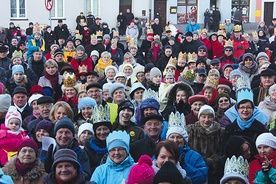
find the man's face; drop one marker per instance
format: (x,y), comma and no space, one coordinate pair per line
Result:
(215,66)
(156,21)
(228,52)
(91,78)
(267,81)
(237,34)
(200,79)
(64,136)
(3,54)
(168,52)
(93,41)
(37,56)
(37,36)
(189,38)
(44,109)
(20,99)
(153,128)
(14,42)
(96,94)
(59,58)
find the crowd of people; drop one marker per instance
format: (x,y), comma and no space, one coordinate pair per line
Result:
(181,107)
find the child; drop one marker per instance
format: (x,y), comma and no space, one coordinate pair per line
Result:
(181,63)
(85,133)
(11,135)
(164,89)
(155,79)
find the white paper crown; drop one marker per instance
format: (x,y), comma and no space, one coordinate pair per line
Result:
(118,135)
(177,120)
(101,114)
(149,93)
(243,83)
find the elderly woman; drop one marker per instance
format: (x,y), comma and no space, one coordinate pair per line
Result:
(85,107)
(60,110)
(223,104)
(110,73)
(66,169)
(196,102)
(248,67)
(263,168)
(178,99)
(119,161)
(129,58)
(205,137)
(191,161)
(25,167)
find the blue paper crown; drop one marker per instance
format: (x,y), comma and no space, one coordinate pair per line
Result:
(120,136)
(244,91)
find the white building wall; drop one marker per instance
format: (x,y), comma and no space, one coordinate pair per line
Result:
(225,9)
(138,6)
(202,5)
(252,9)
(109,11)
(171,17)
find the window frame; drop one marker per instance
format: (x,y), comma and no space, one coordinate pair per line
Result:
(17,4)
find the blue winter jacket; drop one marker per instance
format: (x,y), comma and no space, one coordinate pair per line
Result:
(192,28)
(194,165)
(112,173)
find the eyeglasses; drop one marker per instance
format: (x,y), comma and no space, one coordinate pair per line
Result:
(245,108)
(95,91)
(225,100)
(228,50)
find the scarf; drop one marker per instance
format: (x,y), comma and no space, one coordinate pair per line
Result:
(150,39)
(67,180)
(81,58)
(245,124)
(73,102)
(102,65)
(53,79)
(262,93)
(113,51)
(269,104)
(97,149)
(249,69)
(24,169)
(155,53)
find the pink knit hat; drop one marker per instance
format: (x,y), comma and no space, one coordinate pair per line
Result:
(142,172)
(13,113)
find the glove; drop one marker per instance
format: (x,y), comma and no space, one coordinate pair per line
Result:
(69,58)
(49,159)
(239,47)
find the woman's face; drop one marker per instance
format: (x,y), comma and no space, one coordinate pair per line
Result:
(16,61)
(206,120)
(117,155)
(261,33)
(82,95)
(245,111)
(128,71)
(26,155)
(86,112)
(264,150)
(177,138)
(59,113)
(246,150)
(220,39)
(66,170)
(140,76)
(51,69)
(105,58)
(39,133)
(248,61)
(70,92)
(138,94)
(18,76)
(80,52)
(208,93)
(195,107)
(156,79)
(102,132)
(223,103)
(273,95)
(164,156)
(227,72)
(214,38)
(34,105)
(181,96)
(118,95)
(110,74)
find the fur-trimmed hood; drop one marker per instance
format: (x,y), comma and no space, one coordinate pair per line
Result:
(182,86)
(154,42)
(35,173)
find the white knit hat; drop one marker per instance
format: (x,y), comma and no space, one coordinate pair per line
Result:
(85,126)
(33,98)
(266,139)
(204,108)
(271,88)
(110,67)
(13,114)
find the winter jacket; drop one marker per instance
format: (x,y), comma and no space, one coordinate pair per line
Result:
(133,32)
(157,29)
(79,179)
(228,60)
(98,47)
(5,63)
(35,176)
(11,85)
(35,45)
(3,76)
(84,61)
(192,28)
(37,66)
(250,72)
(217,49)
(118,57)
(269,108)
(111,172)
(239,45)
(61,32)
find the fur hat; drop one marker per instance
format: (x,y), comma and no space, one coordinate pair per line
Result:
(86,101)
(195,98)
(64,122)
(85,126)
(110,67)
(65,155)
(5,100)
(115,87)
(180,86)
(206,108)
(155,72)
(266,139)
(13,114)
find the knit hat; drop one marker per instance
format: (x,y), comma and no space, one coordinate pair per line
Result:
(5,100)
(235,72)
(118,139)
(206,108)
(36,89)
(142,172)
(46,125)
(228,47)
(168,173)
(155,72)
(33,98)
(107,86)
(266,139)
(226,95)
(214,61)
(150,103)
(54,47)
(86,101)
(136,86)
(58,51)
(226,66)
(138,69)
(65,155)
(248,55)
(94,53)
(271,88)
(12,114)
(127,65)
(64,122)
(195,98)
(126,104)
(80,47)
(189,34)
(28,143)
(148,67)
(261,54)
(201,60)
(17,68)
(116,86)
(225,84)
(85,126)
(110,67)
(213,72)
(106,36)
(202,47)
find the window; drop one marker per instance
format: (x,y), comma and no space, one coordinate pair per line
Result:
(93,6)
(244,6)
(57,11)
(18,9)
(186,10)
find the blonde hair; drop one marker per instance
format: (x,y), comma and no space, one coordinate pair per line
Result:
(66,106)
(51,62)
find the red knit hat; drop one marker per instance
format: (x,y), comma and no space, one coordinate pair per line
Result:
(142,172)
(28,143)
(195,98)
(225,84)
(36,89)
(2,88)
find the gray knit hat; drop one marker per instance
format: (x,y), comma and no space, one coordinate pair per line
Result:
(65,155)
(155,72)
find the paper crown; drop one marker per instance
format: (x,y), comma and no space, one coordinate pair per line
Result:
(79,36)
(150,31)
(82,88)
(128,38)
(99,33)
(156,37)
(149,93)
(188,74)
(237,28)
(93,37)
(221,32)
(177,120)
(192,57)
(101,114)
(246,35)
(221,26)
(211,81)
(204,30)
(172,62)
(168,75)
(182,56)
(237,168)
(115,33)
(243,91)
(254,33)
(133,43)
(69,80)
(167,28)
(17,54)
(118,135)
(77,32)
(82,69)
(114,41)
(228,43)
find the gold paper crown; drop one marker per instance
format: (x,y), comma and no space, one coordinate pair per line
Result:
(114,41)
(211,81)
(128,38)
(101,114)
(82,69)
(204,30)
(79,36)
(149,31)
(69,80)
(167,28)
(77,32)
(172,62)
(168,74)
(182,56)
(188,74)
(177,120)
(192,57)
(133,43)
(228,43)
(99,33)
(115,33)
(221,26)
(17,54)
(93,37)
(82,88)
(156,37)
(254,33)
(221,32)
(149,93)
(237,28)
(236,166)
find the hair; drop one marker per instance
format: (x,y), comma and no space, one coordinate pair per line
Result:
(170,146)
(244,101)
(105,53)
(128,54)
(51,62)
(66,106)
(208,112)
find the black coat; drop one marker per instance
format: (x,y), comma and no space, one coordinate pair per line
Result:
(5,63)
(128,17)
(95,28)
(37,66)
(61,32)
(190,47)
(157,29)
(49,39)
(162,62)
(3,76)
(99,47)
